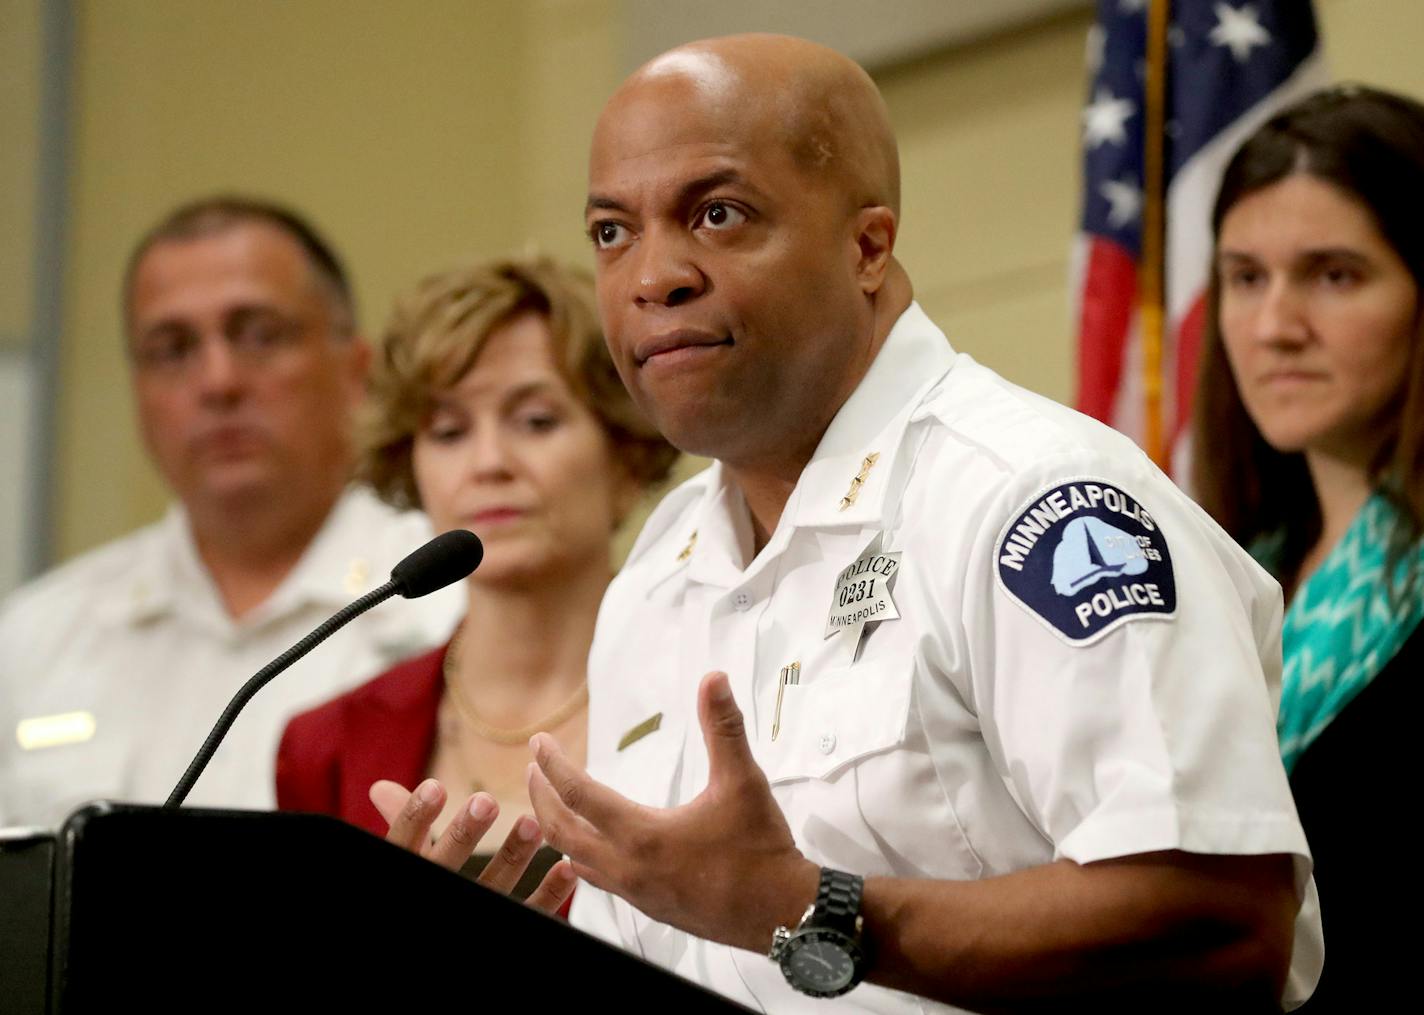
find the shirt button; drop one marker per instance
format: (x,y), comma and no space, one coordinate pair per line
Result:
(741,600)
(828,743)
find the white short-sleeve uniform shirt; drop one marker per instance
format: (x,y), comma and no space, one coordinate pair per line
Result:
(998,636)
(133,638)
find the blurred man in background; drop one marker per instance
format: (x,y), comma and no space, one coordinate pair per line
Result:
(246,370)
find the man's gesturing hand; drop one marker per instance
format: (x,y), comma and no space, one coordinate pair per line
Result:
(723,866)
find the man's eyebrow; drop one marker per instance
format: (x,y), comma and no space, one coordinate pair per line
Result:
(686,193)
(595,202)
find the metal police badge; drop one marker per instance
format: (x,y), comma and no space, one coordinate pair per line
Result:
(863,590)
(1085,558)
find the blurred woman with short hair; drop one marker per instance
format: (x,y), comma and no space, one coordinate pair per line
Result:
(495,407)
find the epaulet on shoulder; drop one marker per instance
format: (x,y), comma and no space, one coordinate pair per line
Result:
(665,517)
(1018,427)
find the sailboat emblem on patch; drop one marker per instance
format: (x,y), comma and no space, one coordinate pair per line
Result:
(1084,558)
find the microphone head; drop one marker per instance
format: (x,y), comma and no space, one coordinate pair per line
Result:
(443,561)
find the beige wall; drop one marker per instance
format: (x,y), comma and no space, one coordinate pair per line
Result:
(20,48)
(421,133)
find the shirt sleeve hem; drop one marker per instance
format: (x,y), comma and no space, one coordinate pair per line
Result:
(1227,833)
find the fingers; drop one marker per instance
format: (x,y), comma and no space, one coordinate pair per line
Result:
(464,832)
(388,798)
(575,789)
(723,730)
(563,828)
(555,889)
(509,863)
(411,827)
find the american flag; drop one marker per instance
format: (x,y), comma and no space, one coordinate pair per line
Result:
(1230,65)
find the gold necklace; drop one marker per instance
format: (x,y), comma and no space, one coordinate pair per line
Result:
(497,734)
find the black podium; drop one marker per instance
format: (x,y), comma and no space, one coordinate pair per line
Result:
(199,910)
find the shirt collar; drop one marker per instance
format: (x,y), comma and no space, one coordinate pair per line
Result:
(171,577)
(330,573)
(848,478)
(847,481)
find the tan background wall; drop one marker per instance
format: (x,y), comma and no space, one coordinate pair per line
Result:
(21,88)
(19,154)
(421,133)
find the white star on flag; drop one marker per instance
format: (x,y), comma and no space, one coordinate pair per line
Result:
(1130,6)
(1106,118)
(1126,201)
(1238,30)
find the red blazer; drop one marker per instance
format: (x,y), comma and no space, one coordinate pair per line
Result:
(384,729)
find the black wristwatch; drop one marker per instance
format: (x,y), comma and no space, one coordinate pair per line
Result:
(824,955)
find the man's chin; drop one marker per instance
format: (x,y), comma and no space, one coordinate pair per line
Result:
(707,435)
(238,485)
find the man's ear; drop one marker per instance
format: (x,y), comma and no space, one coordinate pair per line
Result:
(875,228)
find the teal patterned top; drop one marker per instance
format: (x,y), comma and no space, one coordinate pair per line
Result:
(1343,626)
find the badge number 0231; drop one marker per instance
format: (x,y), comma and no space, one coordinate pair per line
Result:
(863,594)
(856,592)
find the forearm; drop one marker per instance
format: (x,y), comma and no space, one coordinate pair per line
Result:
(1159,930)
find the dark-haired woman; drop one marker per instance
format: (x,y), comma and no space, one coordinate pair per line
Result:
(1309,448)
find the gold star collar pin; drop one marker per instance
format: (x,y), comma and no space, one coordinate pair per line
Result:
(358,574)
(855,484)
(687,550)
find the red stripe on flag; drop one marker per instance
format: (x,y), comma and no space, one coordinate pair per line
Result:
(1109,299)
(1189,336)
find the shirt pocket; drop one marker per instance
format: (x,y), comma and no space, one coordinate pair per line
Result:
(854,773)
(839,718)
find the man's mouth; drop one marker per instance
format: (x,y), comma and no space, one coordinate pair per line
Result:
(675,345)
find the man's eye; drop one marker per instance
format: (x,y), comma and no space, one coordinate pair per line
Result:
(720,215)
(260,332)
(607,235)
(166,349)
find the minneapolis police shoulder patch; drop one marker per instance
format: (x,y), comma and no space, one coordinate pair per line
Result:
(1085,558)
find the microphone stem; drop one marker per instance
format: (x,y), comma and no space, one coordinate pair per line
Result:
(337,621)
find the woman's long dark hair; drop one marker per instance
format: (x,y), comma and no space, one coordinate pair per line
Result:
(1370,145)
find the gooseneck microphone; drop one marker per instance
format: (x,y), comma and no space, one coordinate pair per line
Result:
(443,561)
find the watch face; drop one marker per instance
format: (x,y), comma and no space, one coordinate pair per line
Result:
(821,962)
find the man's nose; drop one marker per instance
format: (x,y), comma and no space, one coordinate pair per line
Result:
(219,374)
(667,273)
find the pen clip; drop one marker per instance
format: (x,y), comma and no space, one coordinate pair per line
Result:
(790,674)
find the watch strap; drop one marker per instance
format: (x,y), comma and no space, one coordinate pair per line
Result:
(837,901)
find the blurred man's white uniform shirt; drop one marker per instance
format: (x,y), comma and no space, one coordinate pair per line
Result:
(133,643)
(986,634)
